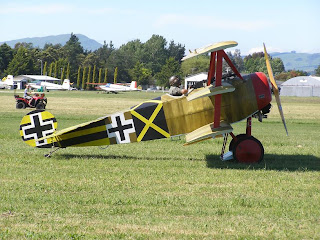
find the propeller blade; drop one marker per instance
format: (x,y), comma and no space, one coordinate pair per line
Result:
(274,88)
(270,72)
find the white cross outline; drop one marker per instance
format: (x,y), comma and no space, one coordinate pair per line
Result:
(32,125)
(123,122)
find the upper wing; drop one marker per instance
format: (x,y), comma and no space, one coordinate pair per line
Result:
(211,48)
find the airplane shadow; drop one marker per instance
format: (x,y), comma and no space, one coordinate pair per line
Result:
(270,162)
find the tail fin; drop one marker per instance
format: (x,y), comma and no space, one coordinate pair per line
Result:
(36,125)
(66,84)
(134,85)
(9,80)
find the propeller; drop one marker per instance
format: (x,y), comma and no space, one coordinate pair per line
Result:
(274,87)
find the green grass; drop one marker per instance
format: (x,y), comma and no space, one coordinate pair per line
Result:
(159,189)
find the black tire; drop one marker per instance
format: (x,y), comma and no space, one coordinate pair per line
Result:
(240,136)
(20,105)
(40,106)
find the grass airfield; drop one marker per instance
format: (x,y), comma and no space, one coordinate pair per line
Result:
(159,189)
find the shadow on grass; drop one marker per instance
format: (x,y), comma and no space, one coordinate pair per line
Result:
(270,162)
(108,157)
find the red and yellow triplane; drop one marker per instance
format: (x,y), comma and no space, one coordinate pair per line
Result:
(204,113)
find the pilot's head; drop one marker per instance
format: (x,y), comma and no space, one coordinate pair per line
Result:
(174,81)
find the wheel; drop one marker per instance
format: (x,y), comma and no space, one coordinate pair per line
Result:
(248,150)
(40,105)
(240,136)
(20,105)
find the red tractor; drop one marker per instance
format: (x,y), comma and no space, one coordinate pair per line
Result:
(36,101)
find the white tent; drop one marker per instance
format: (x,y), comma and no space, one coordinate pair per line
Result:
(302,86)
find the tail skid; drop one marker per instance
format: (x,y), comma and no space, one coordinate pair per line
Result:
(51,152)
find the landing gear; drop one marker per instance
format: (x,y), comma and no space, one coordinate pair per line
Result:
(244,148)
(248,150)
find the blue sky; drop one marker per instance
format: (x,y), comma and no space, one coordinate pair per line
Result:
(283,25)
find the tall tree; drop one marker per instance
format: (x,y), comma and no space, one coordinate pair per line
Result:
(89,79)
(55,69)
(78,77)
(94,74)
(50,69)
(6,56)
(104,53)
(115,76)
(68,71)
(62,73)
(22,63)
(105,75)
(83,84)
(100,75)
(44,71)
(155,53)
(140,74)
(176,50)
(51,53)
(72,49)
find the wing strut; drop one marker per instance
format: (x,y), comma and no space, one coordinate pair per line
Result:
(215,72)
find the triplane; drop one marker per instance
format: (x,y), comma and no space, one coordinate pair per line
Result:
(204,113)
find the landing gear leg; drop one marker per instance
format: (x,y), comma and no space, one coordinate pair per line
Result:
(246,148)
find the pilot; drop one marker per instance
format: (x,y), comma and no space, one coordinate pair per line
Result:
(175,89)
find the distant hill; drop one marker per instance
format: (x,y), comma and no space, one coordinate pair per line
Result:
(299,61)
(87,43)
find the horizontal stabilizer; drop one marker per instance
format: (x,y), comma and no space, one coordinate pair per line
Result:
(211,48)
(207,132)
(211,91)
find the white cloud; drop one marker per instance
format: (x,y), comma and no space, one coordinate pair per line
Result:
(209,22)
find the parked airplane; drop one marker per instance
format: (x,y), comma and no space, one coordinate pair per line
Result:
(6,82)
(52,86)
(115,88)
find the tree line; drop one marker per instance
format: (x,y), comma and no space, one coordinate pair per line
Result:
(152,62)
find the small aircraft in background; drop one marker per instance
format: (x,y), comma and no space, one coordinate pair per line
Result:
(205,113)
(115,88)
(52,86)
(7,82)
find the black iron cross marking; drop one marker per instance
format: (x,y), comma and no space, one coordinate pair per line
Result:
(38,128)
(120,128)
